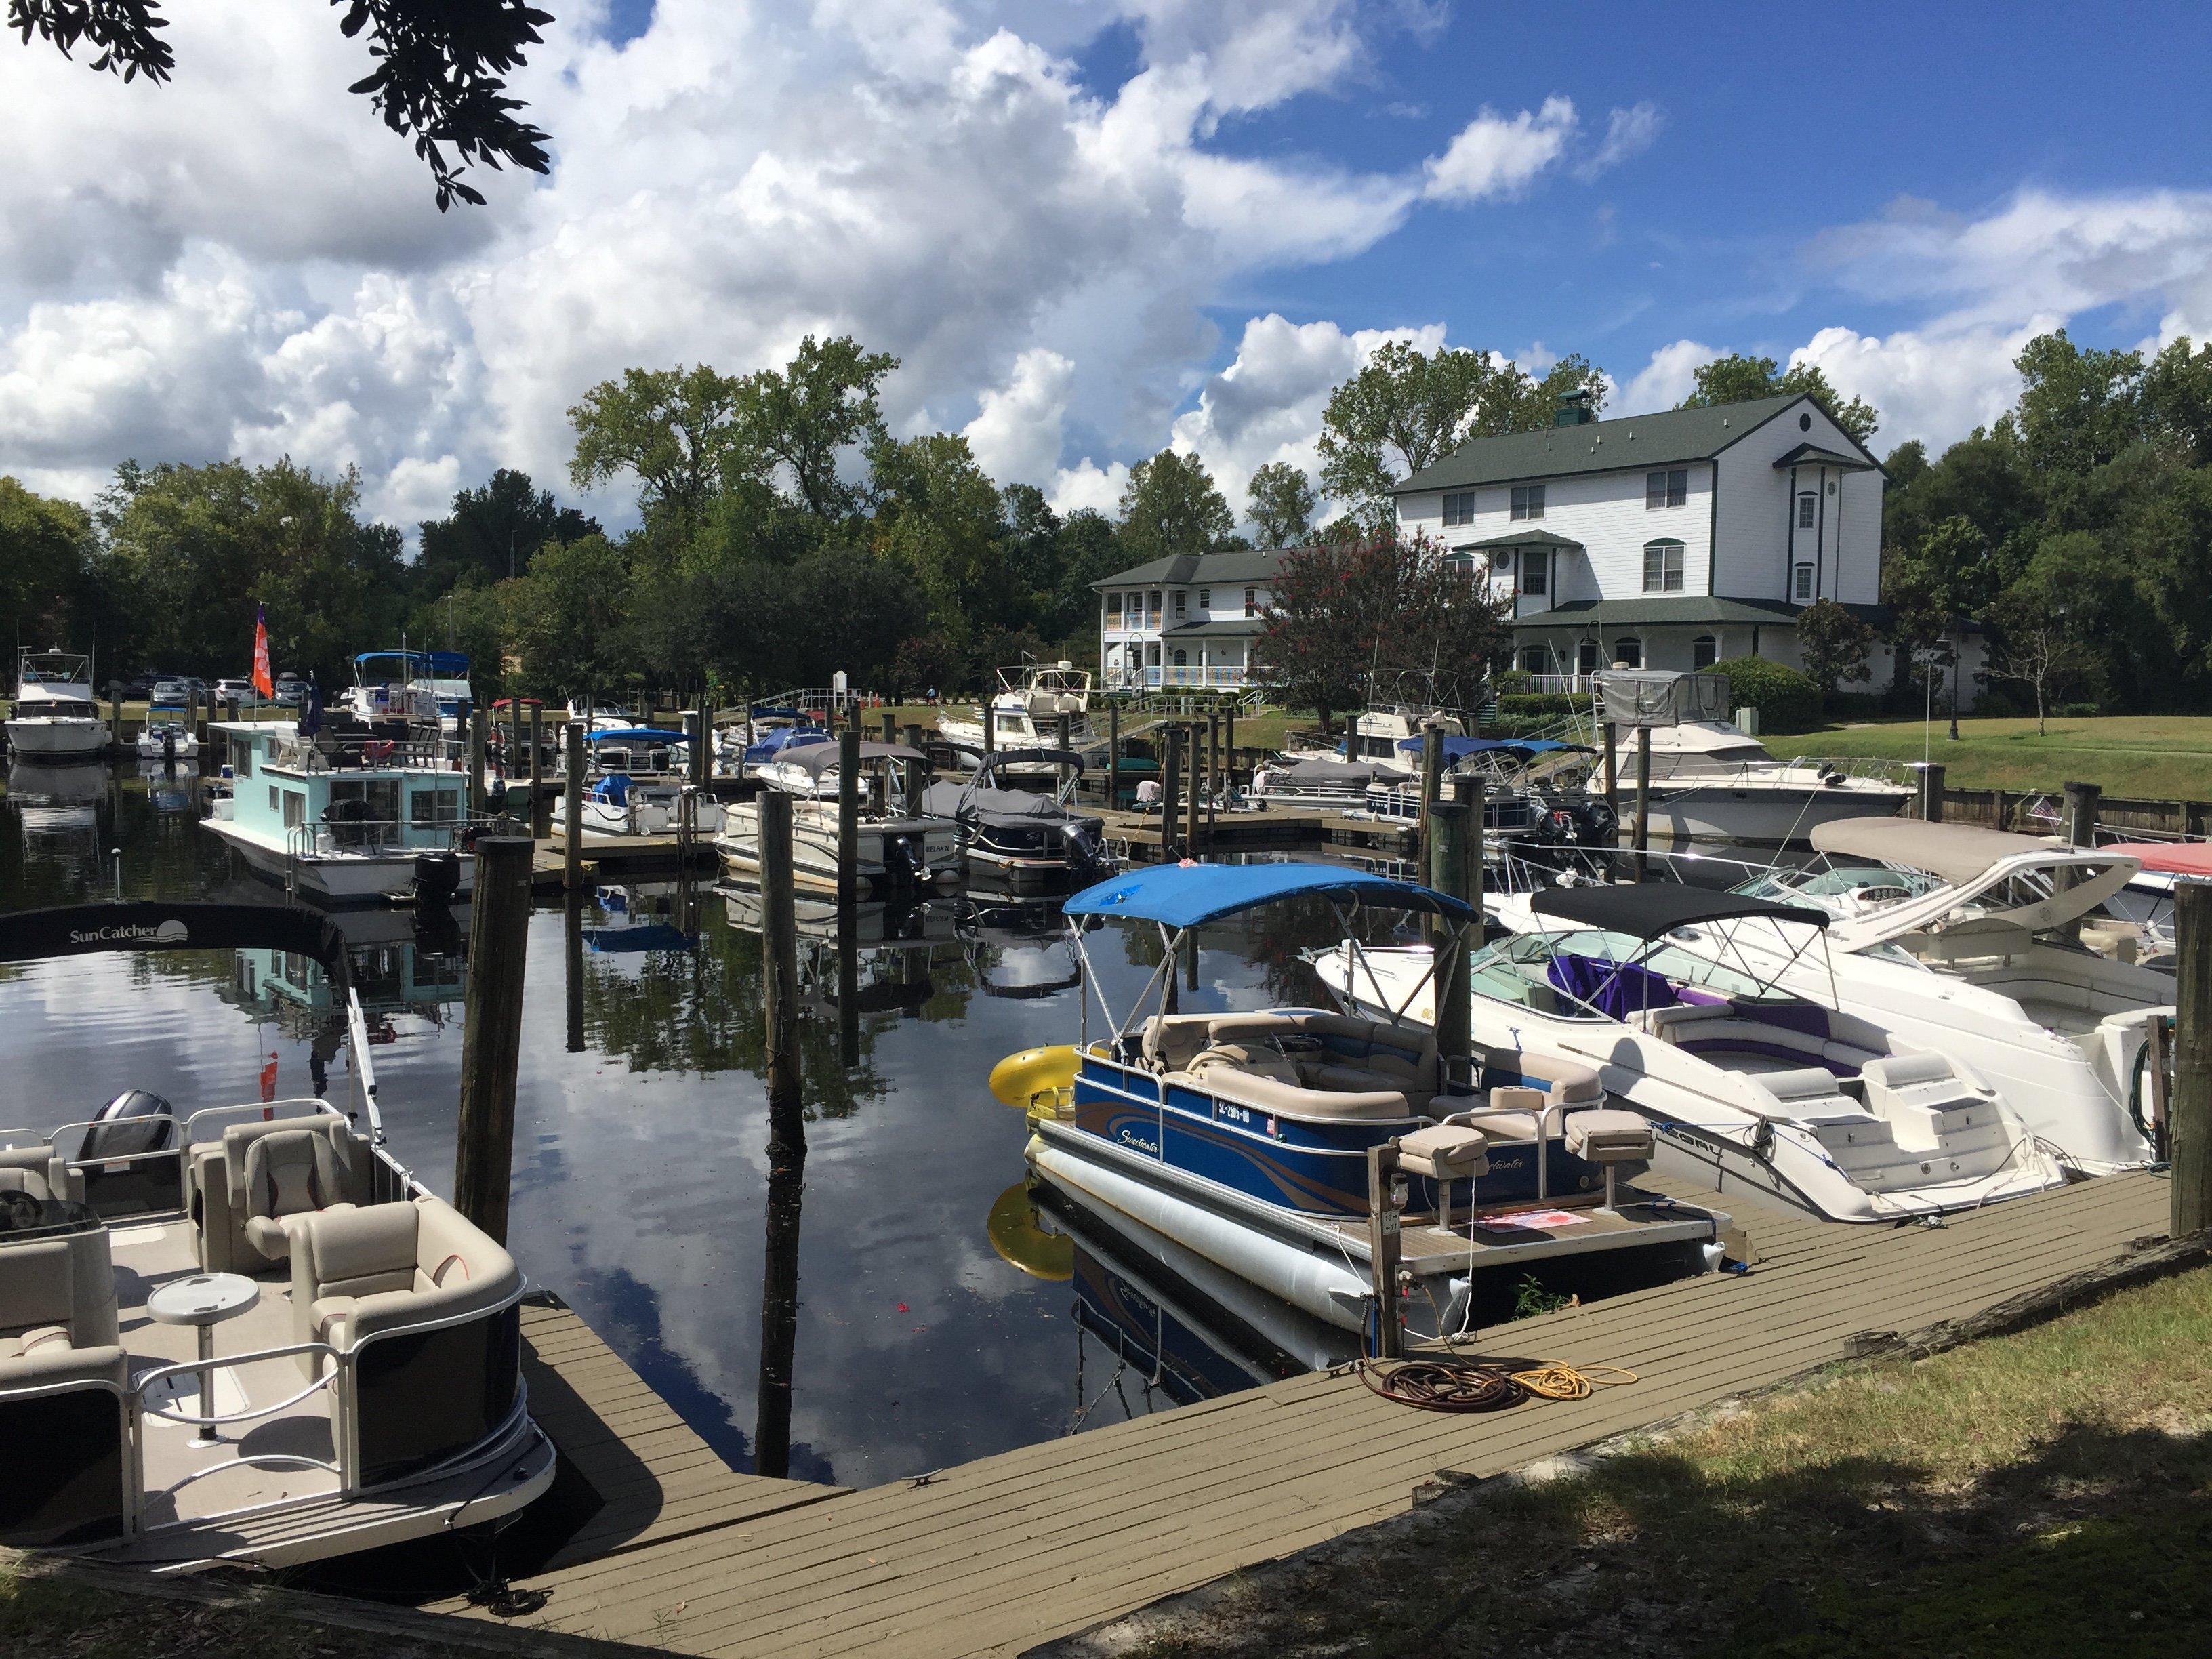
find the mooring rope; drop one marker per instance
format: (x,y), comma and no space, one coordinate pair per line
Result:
(1476,1385)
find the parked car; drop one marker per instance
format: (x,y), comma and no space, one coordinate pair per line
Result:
(233,694)
(291,691)
(168,694)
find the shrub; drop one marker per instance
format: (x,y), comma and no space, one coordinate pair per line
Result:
(2079,711)
(1995,703)
(1786,699)
(1536,705)
(1512,683)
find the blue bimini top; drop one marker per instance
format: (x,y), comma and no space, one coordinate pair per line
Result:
(1186,895)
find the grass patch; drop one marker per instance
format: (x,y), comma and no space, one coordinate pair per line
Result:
(43,1616)
(2155,756)
(2043,1494)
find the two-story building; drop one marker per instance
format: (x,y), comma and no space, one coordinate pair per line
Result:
(1188,621)
(1664,541)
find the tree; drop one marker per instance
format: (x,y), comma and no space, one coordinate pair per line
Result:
(2042,647)
(44,548)
(1348,611)
(939,525)
(806,418)
(1281,503)
(677,429)
(1170,506)
(2078,410)
(569,617)
(1538,406)
(2177,394)
(440,75)
(1404,409)
(1835,644)
(1735,379)
(491,533)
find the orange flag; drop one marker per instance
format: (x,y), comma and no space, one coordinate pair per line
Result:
(263,681)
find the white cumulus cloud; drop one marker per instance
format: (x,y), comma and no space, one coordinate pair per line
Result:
(1499,155)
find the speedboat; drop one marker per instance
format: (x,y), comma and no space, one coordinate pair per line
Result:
(769,746)
(616,804)
(365,1386)
(54,717)
(1027,710)
(895,848)
(1252,1139)
(1961,939)
(1019,836)
(1747,1082)
(1324,783)
(167,737)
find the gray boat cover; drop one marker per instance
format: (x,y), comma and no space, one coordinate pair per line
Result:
(1652,696)
(1337,775)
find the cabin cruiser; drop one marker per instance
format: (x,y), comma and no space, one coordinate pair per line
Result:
(1710,780)
(650,751)
(898,843)
(341,818)
(1747,1082)
(363,1386)
(54,717)
(1961,939)
(1027,709)
(415,686)
(1021,836)
(1249,1138)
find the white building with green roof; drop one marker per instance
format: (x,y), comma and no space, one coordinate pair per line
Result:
(1664,541)
(1186,622)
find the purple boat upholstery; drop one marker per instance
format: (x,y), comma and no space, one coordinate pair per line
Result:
(1615,989)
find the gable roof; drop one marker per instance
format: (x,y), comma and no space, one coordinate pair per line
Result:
(1243,565)
(1634,441)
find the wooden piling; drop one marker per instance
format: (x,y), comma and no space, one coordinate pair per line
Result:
(778,949)
(990,726)
(1170,791)
(1611,771)
(914,734)
(1197,758)
(2082,803)
(695,744)
(2190,1101)
(1450,837)
(848,814)
(890,727)
(1113,751)
(1213,785)
(115,715)
(541,814)
(1931,793)
(1432,783)
(572,809)
(478,796)
(786,1137)
(1643,800)
(491,1031)
(1382,1251)
(703,752)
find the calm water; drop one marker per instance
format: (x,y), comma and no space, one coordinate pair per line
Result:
(642,1141)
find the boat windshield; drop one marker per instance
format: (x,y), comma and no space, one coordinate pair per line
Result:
(1587,965)
(1846,890)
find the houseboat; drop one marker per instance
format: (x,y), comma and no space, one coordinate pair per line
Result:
(338,821)
(244,1333)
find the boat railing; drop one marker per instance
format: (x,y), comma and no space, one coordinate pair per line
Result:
(364,837)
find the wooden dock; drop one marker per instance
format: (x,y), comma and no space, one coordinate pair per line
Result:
(996,1556)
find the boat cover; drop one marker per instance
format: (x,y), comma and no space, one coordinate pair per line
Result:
(434,665)
(973,799)
(783,738)
(1186,895)
(1333,774)
(821,758)
(1651,696)
(1957,851)
(1651,909)
(613,788)
(637,734)
(2168,857)
(1459,748)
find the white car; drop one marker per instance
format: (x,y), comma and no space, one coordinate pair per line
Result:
(231,693)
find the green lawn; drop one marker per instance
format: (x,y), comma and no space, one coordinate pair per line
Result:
(2156,756)
(2047,1493)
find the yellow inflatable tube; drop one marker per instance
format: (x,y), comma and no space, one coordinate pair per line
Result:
(1020,1079)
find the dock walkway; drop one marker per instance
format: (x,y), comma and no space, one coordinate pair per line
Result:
(998,1555)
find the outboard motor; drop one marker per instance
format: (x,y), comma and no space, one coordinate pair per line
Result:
(169,744)
(903,859)
(136,1121)
(437,878)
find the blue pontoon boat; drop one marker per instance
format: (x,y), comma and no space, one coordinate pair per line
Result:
(1245,1137)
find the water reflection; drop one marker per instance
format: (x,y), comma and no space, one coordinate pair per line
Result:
(821,1289)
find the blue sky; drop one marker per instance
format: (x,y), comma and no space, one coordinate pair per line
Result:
(1088,229)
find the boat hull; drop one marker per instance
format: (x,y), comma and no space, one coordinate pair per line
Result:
(43,738)
(888,854)
(1754,815)
(337,878)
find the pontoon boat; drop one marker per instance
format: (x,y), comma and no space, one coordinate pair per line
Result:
(896,847)
(1024,836)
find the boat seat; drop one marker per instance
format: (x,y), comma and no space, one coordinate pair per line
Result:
(1663,1022)
(38,1171)
(358,1271)
(1605,1135)
(1445,1153)
(56,1299)
(1808,1083)
(1912,1082)
(1255,1060)
(259,1175)
(1562,1082)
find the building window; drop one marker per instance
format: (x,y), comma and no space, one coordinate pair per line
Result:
(1155,607)
(1205,599)
(1113,610)
(1251,601)
(1459,508)
(429,807)
(1532,658)
(1628,651)
(1528,500)
(295,808)
(1586,657)
(1805,506)
(1533,572)
(1181,658)
(1668,488)
(1662,566)
(1802,587)
(1183,604)
(1705,652)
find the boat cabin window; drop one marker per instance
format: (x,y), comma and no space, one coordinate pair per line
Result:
(434,806)
(377,798)
(241,757)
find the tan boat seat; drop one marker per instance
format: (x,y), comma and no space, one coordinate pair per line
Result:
(252,1183)
(1252,1058)
(1808,1083)
(1607,1136)
(359,1272)
(57,1295)
(1445,1153)
(39,1171)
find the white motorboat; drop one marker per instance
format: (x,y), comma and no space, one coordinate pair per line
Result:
(1025,837)
(1711,781)
(55,717)
(895,847)
(367,1388)
(1961,939)
(1747,1082)
(1027,709)
(616,804)
(415,686)
(167,737)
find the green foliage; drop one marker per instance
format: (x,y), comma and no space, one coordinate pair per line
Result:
(677,430)
(492,532)
(1834,643)
(1405,409)
(1534,705)
(1170,506)
(1786,699)
(939,522)
(1531,1298)
(806,418)
(569,611)
(1735,379)
(1281,503)
(45,549)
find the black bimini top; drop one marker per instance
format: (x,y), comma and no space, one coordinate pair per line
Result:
(1652,910)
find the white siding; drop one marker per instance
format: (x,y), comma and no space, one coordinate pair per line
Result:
(1757,540)
(1603,511)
